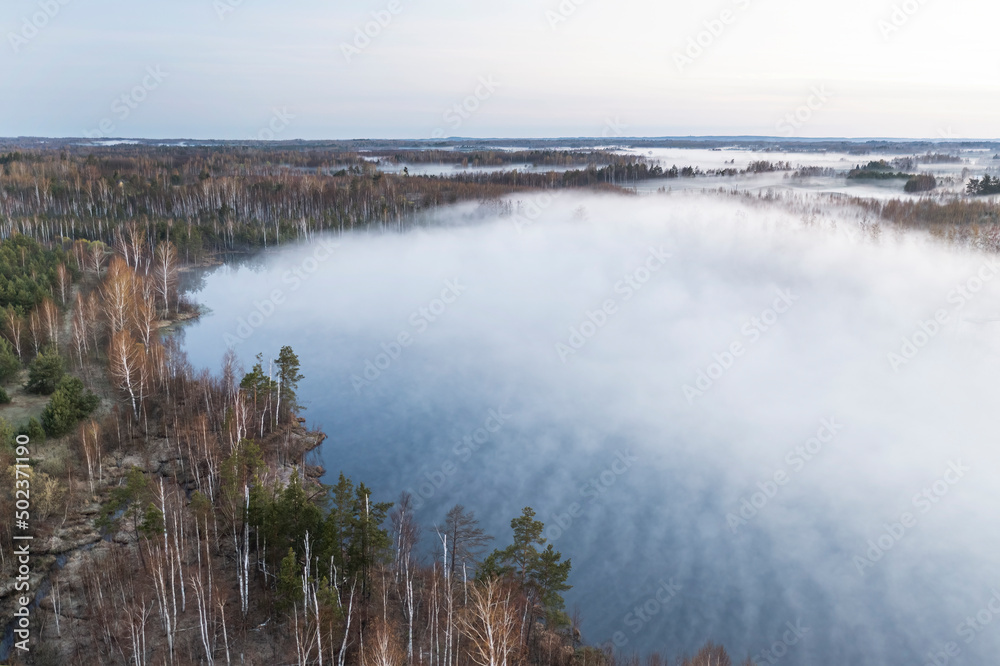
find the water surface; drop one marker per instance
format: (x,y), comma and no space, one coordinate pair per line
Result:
(638,401)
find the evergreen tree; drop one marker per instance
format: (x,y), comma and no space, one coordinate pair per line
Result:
(986,185)
(542,574)
(288,379)
(256,382)
(549,575)
(33,430)
(352,533)
(370,543)
(336,529)
(128,501)
(69,404)
(10,364)
(7,433)
(289,581)
(27,272)
(521,555)
(286,518)
(152,522)
(241,470)
(44,372)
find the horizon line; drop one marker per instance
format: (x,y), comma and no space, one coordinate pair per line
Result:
(454,139)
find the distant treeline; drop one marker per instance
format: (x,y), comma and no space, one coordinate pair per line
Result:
(485,158)
(939,158)
(215,199)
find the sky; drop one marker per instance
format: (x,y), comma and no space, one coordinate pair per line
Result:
(247,69)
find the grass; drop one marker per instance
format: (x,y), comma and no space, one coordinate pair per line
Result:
(22,405)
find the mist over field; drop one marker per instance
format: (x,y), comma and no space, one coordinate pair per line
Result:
(732,417)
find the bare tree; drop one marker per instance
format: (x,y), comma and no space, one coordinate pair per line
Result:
(144,317)
(204,605)
(63,282)
(98,253)
(90,443)
(119,295)
(36,327)
(384,649)
(492,623)
(467,540)
(14,326)
(126,357)
(710,655)
(406,533)
(91,317)
(165,273)
(51,320)
(78,329)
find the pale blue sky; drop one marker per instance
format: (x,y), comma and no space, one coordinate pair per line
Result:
(611,67)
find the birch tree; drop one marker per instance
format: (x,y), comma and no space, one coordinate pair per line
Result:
(165,273)
(125,358)
(405,536)
(492,623)
(63,282)
(118,295)
(51,320)
(14,328)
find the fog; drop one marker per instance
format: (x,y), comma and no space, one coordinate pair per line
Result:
(951,176)
(695,394)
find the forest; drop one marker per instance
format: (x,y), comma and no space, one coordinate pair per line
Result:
(175,513)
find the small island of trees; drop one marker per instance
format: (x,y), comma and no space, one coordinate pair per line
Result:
(920,183)
(983,186)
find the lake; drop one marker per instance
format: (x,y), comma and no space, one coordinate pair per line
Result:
(743,424)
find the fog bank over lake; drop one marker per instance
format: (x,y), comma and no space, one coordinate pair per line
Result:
(730,417)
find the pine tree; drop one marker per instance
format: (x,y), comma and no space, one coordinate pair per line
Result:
(289,581)
(241,470)
(34,431)
(288,378)
(519,557)
(152,522)
(70,403)
(256,382)
(44,372)
(128,501)
(549,575)
(337,525)
(295,516)
(369,543)
(542,574)
(352,533)
(7,433)
(10,364)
